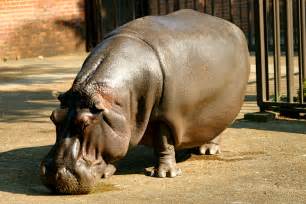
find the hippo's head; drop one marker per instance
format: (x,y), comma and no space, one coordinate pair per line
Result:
(88,140)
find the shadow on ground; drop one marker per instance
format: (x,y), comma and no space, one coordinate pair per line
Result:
(26,106)
(19,168)
(141,157)
(249,98)
(40,73)
(280,125)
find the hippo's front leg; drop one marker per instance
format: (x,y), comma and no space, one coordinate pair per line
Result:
(165,153)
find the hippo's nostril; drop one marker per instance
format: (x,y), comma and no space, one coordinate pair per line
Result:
(42,169)
(46,167)
(61,173)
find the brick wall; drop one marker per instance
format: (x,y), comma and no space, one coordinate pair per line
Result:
(30,28)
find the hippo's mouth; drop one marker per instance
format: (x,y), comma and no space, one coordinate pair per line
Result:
(64,180)
(81,180)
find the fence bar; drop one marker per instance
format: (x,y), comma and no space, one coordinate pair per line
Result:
(212,6)
(205,6)
(115,13)
(142,10)
(260,52)
(240,13)
(186,4)
(99,21)
(194,4)
(176,5)
(158,7)
(230,10)
(202,6)
(303,33)
(289,53)
(301,19)
(266,47)
(134,9)
(249,24)
(89,16)
(118,13)
(167,6)
(222,12)
(277,50)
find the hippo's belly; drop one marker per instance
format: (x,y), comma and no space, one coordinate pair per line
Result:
(204,95)
(205,65)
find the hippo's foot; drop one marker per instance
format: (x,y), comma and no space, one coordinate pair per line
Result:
(165,153)
(210,149)
(109,171)
(166,168)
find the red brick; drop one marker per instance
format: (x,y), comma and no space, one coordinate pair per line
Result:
(30,27)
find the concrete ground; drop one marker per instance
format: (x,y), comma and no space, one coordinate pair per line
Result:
(260,162)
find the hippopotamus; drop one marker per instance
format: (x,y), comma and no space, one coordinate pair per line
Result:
(170,82)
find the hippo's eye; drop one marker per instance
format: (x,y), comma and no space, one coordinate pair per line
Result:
(62,105)
(94,110)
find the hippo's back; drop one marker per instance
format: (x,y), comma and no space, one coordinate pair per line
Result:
(205,66)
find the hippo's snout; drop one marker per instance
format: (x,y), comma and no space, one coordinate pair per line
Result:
(65,173)
(67,181)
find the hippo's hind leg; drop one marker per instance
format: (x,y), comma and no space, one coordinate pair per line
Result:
(165,154)
(211,148)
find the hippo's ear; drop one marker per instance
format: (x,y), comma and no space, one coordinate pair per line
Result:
(62,100)
(60,97)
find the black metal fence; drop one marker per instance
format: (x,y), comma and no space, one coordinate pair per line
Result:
(281,69)
(102,16)
(275,30)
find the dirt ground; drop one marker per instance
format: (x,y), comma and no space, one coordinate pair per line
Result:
(260,162)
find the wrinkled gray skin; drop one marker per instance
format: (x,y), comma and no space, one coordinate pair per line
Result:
(171,82)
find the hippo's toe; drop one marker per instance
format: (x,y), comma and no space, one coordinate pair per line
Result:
(172,172)
(165,171)
(210,149)
(109,171)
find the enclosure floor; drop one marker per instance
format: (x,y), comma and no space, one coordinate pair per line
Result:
(260,162)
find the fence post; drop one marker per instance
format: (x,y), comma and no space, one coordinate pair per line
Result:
(277,50)
(301,19)
(266,47)
(158,7)
(176,5)
(249,23)
(289,53)
(303,33)
(212,6)
(231,11)
(134,9)
(260,53)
